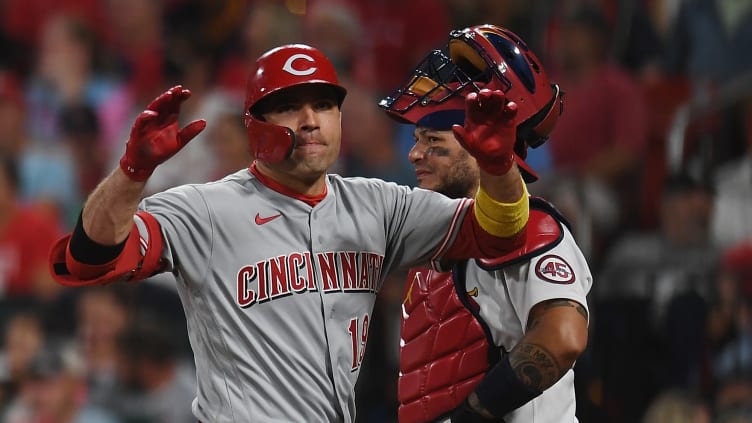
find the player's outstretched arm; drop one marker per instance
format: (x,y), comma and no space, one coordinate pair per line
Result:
(154,138)
(106,245)
(556,335)
(489,134)
(107,217)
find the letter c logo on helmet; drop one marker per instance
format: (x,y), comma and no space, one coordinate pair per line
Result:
(288,67)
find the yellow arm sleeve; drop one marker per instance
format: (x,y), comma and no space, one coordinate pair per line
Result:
(501,219)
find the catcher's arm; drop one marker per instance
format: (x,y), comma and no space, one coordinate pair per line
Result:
(489,134)
(556,334)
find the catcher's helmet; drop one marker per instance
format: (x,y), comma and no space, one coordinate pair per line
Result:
(483,56)
(277,69)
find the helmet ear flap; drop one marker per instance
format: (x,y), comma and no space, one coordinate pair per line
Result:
(269,143)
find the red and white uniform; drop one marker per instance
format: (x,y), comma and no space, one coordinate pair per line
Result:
(455,326)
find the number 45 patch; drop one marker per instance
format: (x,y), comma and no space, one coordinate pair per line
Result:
(554,269)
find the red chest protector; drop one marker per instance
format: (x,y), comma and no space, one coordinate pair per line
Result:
(445,347)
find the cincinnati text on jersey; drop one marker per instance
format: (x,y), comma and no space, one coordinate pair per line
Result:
(296,273)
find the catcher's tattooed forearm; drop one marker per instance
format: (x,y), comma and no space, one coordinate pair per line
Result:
(535,366)
(533,363)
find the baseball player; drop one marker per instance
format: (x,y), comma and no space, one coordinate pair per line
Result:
(278,265)
(494,340)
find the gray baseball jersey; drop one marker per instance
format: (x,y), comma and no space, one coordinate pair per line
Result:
(505,297)
(278,294)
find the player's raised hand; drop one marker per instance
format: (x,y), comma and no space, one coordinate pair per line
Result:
(490,130)
(155,135)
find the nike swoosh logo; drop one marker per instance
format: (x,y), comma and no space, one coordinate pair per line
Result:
(263,220)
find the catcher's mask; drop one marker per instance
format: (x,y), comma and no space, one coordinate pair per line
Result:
(483,56)
(280,68)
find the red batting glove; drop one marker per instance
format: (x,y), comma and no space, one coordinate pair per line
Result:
(490,130)
(155,136)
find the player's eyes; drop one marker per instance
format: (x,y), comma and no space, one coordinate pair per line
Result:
(325,104)
(428,140)
(286,108)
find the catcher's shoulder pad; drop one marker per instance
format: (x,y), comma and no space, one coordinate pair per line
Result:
(544,232)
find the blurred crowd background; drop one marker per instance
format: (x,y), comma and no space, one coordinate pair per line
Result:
(651,162)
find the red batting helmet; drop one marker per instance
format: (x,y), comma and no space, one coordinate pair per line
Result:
(483,56)
(277,69)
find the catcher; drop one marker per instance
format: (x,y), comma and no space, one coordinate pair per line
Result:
(492,340)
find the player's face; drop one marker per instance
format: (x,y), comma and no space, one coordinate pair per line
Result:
(312,112)
(441,164)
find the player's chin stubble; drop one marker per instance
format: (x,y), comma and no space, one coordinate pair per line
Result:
(461,179)
(312,164)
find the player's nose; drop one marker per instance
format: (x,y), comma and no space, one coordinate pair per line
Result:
(417,152)
(308,118)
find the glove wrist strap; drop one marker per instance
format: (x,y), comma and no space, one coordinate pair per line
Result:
(499,166)
(133,173)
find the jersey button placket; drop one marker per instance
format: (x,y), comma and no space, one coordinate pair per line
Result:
(318,226)
(317,245)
